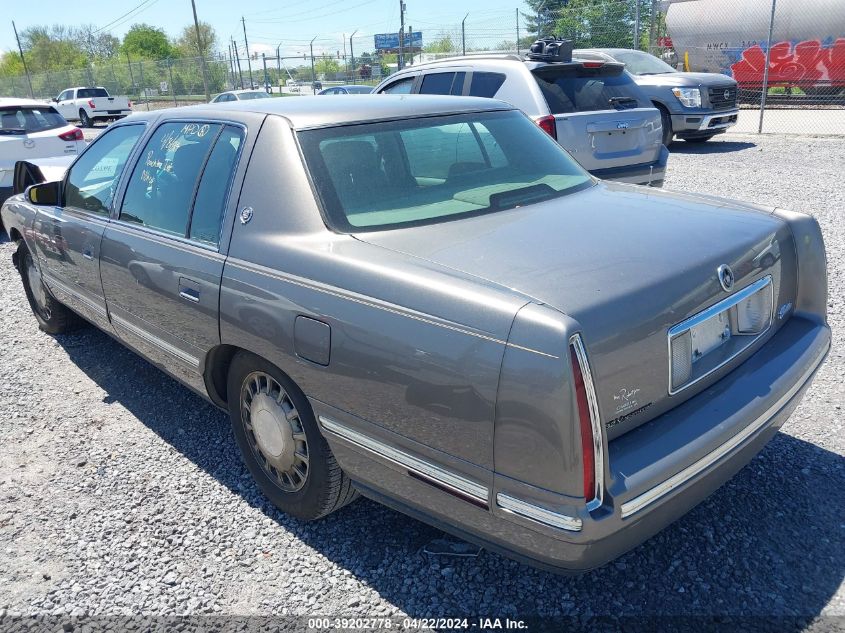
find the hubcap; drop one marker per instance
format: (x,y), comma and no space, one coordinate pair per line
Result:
(36,286)
(274,431)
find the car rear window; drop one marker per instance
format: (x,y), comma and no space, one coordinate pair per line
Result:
(426,170)
(90,93)
(443,84)
(26,119)
(574,89)
(244,96)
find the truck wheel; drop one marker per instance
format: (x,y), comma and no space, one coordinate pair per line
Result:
(84,119)
(699,139)
(666,122)
(280,442)
(53,317)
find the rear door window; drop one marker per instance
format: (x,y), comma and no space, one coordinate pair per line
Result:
(443,83)
(485,84)
(571,89)
(161,187)
(213,190)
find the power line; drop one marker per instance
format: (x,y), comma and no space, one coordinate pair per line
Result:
(138,9)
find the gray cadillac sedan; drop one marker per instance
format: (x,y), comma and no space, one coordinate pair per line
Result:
(427,301)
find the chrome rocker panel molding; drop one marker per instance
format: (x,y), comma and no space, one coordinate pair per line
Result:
(423,469)
(726,304)
(647,498)
(595,420)
(536,513)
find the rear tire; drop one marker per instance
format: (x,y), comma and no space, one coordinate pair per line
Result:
(53,317)
(84,119)
(699,139)
(280,442)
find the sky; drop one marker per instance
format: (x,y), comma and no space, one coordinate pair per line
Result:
(292,22)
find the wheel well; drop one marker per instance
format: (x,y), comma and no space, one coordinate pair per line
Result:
(15,235)
(660,106)
(216,375)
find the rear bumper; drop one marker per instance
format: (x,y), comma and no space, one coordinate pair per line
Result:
(655,473)
(642,174)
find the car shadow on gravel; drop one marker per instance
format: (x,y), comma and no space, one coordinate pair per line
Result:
(770,542)
(710,147)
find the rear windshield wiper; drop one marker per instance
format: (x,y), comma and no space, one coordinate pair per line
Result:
(623,103)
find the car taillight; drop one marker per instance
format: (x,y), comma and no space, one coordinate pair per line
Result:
(91,103)
(592,450)
(72,135)
(548,125)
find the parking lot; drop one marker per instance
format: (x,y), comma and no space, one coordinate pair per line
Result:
(121,492)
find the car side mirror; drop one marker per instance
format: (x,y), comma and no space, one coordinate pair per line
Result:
(46,194)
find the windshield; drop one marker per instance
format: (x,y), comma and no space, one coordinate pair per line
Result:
(24,119)
(639,63)
(243,96)
(422,171)
(90,93)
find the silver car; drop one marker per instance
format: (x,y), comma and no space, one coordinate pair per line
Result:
(443,311)
(595,110)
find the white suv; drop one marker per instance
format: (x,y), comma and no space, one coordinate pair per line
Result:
(32,129)
(594,109)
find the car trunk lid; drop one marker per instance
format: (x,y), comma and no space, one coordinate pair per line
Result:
(628,264)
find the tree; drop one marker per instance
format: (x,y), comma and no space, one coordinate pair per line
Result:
(97,45)
(541,15)
(147,42)
(598,23)
(189,47)
(10,64)
(443,43)
(326,66)
(52,48)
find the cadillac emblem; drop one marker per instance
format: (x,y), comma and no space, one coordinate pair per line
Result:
(726,277)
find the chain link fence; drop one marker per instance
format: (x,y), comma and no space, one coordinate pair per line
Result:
(788,56)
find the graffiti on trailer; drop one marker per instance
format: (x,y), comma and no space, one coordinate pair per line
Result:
(803,64)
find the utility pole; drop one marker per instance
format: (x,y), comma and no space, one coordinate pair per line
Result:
(266,78)
(464,34)
(352,54)
(517,32)
(279,65)
(232,67)
(652,29)
(246,45)
(313,74)
(25,69)
(345,59)
(766,69)
(129,65)
(238,59)
(400,62)
(202,52)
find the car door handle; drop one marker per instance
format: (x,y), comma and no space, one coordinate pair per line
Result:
(189,290)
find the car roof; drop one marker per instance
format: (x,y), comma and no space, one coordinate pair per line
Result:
(608,51)
(314,111)
(14,101)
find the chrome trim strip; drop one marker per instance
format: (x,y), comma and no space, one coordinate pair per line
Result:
(595,419)
(726,304)
(51,280)
(154,340)
(441,475)
(536,513)
(641,501)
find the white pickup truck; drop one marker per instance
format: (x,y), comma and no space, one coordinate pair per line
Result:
(88,105)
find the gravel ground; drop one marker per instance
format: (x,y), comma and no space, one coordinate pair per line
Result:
(123,493)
